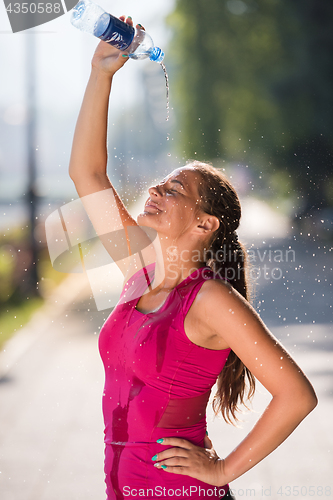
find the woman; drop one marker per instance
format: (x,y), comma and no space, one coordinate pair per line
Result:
(182,322)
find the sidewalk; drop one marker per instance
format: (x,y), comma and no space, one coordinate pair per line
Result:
(51,429)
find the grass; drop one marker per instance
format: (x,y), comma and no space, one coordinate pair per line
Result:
(12,318)
(14,314)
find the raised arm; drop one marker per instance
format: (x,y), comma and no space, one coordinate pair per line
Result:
(88,161)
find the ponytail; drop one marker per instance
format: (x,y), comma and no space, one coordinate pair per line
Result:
(235,384)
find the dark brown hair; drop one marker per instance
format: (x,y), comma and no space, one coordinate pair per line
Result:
(226,256)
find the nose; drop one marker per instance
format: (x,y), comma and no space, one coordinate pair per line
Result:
(155,191)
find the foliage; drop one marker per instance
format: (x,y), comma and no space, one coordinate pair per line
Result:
(18,297)
(14,317)
(254,84)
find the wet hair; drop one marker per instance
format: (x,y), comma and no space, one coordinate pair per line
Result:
(226,256)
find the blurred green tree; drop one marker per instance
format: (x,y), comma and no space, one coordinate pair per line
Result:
(253,83)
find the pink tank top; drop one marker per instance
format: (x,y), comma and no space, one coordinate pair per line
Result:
(157,382)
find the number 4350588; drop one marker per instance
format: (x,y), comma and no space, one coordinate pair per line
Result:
(34,8)
(303,491)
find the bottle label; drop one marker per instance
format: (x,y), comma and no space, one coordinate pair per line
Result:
(118,34)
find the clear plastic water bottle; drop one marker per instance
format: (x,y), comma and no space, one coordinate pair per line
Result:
(90,17)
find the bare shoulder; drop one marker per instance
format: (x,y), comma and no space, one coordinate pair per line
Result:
(219,295)
(227,317)
(205,323)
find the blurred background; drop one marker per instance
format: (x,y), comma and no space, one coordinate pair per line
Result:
(251,91)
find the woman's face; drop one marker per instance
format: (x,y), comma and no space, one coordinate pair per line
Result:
(173,206)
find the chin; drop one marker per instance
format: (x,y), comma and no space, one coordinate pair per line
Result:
(143,219)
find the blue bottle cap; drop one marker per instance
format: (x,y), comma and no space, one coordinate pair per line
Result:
(156,54)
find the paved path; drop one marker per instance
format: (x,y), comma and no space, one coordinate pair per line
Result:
(51,423)
(51,427)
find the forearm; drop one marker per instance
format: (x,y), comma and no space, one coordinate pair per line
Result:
(278,421)
(89,150)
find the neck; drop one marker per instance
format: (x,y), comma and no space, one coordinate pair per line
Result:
(175,262)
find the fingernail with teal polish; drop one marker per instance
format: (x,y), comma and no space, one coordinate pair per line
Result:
(154,458)
(140,25)
(206,433)
(163,467)
(129,17)
(124,55)
(159,441)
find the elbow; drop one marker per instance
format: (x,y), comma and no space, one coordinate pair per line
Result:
(308,400)
(71,173)
(75,175)
(300,400)
(313,400)
(75,169)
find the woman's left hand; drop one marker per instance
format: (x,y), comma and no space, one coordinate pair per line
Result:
(191,460)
